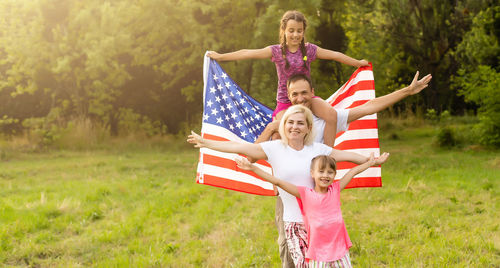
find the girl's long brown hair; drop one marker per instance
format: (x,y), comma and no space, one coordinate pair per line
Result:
(299,17)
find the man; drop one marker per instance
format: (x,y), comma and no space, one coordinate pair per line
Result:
(300,91)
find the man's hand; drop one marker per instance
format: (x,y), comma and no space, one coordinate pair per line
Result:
(417,85)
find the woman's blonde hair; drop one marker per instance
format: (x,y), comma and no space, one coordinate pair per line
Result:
(309,138)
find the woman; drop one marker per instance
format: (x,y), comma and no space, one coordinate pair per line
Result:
(290,159)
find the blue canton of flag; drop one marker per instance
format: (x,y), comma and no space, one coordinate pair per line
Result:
(228,106)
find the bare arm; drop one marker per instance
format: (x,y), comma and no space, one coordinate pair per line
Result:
(243,54)
(378,104)
(252,150)
(358,169)
(327,54)
(292,189)
(340,156)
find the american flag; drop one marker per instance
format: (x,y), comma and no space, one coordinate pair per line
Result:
(230,114)
(362,135)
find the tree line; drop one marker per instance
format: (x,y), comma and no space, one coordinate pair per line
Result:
(137,65)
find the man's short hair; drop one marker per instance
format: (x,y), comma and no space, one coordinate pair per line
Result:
(297,77)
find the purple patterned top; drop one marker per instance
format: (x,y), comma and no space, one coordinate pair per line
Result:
(296,66)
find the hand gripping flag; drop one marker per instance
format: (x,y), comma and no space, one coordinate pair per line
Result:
(362,135)
(230,114)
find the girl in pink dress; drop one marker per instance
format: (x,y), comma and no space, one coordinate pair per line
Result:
(293,55)
(327,240)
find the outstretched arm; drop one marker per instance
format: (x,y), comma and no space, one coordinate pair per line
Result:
(292,189)
(378,104)
(242,54)
(327,54)
(356,158)
(372,161)
(252,150)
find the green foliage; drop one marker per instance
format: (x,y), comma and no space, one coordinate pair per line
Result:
(479,80)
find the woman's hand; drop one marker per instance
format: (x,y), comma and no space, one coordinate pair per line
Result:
(196,139)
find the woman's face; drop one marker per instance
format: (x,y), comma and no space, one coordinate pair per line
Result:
(294,32)
(296,127)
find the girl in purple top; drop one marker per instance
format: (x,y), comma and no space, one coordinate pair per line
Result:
(293,55)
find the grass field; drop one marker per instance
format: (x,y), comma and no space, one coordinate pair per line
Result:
(142,208)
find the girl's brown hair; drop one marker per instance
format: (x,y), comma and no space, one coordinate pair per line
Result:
(324,161)
(298,17)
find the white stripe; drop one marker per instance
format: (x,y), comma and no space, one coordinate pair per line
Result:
(370,172)
(361,76)
(221,132)
(365,151)
(236,176)
(231,156)
(357,96)
(357,134)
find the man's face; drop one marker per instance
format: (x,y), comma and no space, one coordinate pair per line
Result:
(299,92)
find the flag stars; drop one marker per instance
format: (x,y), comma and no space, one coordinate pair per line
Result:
(238,125)
(224,75)
(209,103)
(242,101)
(228,85)
(212,90)
(243,134)
(233,115)
(219,120)
(219,87)
(214,111)
(224,96)
(227,117)
(217,99)
(231,126)
(229,106)
(205,117)
(238,92)
(222,109)
(215,77)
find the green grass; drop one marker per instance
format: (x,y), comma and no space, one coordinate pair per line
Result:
(142,208)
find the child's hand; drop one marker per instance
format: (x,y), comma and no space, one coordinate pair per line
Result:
(363,63)
(381,159)
(213,55)
(243,163)
(196,139)
(417,85)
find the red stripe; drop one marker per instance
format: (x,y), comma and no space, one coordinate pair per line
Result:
(361,85)
(213,160)
(358,144)
(357,103)
(347,165)
(235,185)
(213,137)
(363,124)
(217,138)
(365,182)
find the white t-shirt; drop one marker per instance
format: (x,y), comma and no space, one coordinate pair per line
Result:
(292,166)
(319,124)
